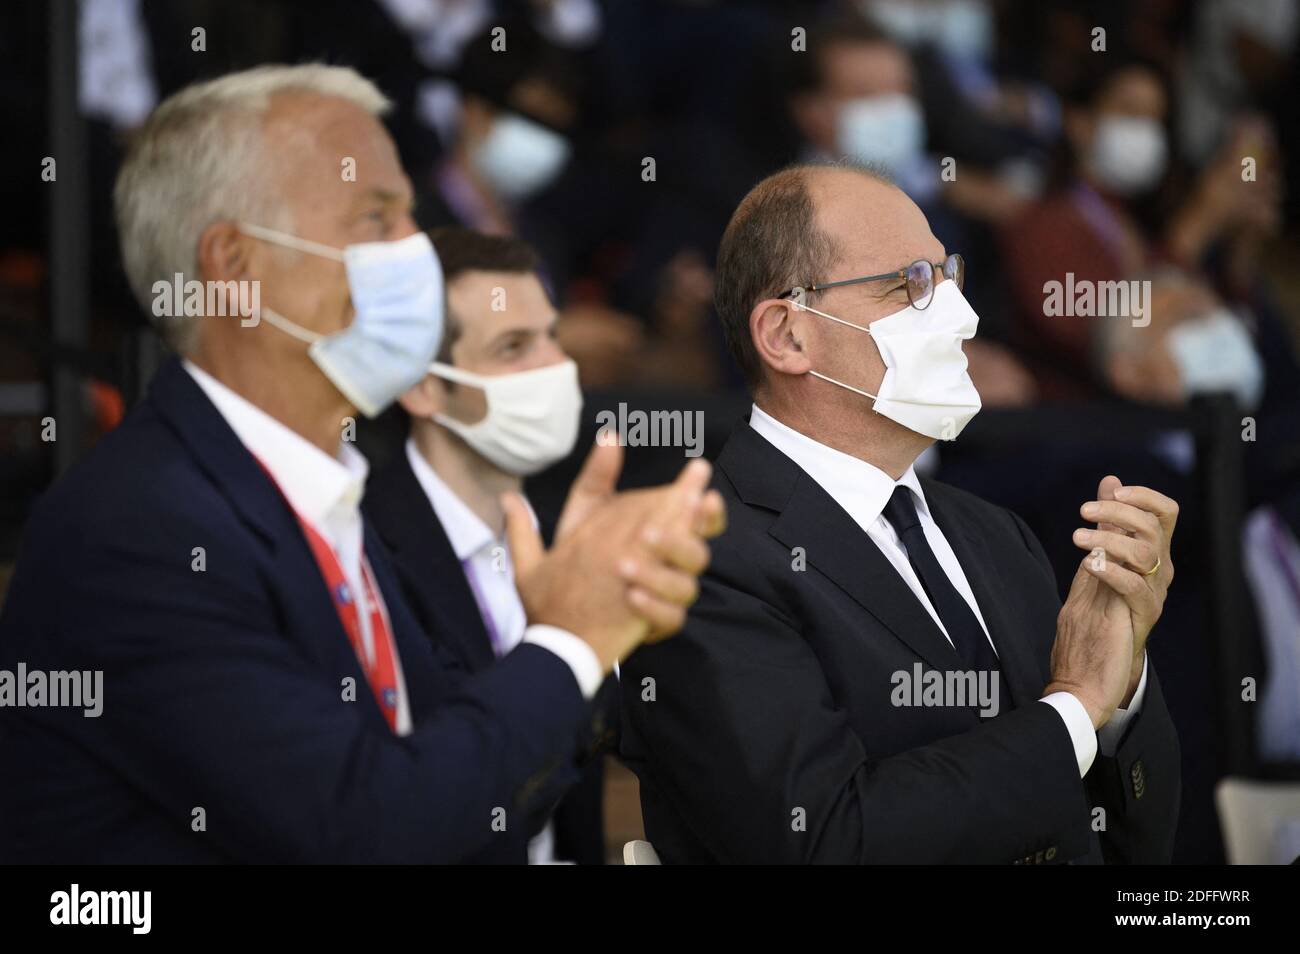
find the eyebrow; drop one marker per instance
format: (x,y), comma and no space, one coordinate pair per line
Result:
(508,333)
(531,332)
(388,197)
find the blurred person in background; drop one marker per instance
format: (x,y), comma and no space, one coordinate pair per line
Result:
(1103,218)
(1196,345)
(517,112)
(501,402)
(973,110)
(1239,58)
(517,157)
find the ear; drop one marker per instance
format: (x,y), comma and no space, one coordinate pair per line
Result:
(425,398)
(777,330)
(223,253)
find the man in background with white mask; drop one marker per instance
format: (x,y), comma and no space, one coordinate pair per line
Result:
(858,101)
(1090,225)
(1196,345)
(501,402)
(508,131)
(1193,344)
(268,694)
(879,668)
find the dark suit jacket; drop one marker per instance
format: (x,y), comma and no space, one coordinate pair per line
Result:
(223,688)
(765,732)
(433,581)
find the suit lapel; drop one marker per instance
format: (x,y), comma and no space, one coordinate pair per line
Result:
(832,542)
(237,475)
(997,601)
(424,557)
(424,680)
(842,550)
(249,490)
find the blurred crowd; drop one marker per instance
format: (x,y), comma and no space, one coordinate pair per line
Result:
(1133,140)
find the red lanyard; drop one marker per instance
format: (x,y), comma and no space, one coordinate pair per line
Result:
(381,671)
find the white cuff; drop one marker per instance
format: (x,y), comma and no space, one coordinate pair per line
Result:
(580,657)
(1110,734)
(1079,724)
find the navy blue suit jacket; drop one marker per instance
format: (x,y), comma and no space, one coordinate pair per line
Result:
(223,688)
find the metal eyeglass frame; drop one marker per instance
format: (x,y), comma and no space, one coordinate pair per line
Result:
(901,274)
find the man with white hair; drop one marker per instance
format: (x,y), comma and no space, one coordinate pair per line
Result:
(267,694)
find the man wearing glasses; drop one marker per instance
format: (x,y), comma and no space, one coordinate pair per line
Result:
(878,667)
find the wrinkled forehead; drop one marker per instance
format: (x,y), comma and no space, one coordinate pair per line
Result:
(874,225)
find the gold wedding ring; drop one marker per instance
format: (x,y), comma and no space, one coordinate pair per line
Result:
(1153,569)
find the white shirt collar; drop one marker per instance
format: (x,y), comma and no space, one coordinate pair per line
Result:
(465,529)
(319,487)
(862,489)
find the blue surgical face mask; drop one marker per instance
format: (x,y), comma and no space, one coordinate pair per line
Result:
(885,130)
(1216,353)
(519,158)
(397,293)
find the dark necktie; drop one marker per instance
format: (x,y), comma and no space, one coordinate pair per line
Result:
(958,619)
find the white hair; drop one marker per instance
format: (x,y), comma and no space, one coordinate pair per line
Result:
(200,158)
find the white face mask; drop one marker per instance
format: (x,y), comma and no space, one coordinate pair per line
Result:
(925,387)
(1216,353)
(884,130)
(396,290)
(519,157)
(1128,154)
(532,416)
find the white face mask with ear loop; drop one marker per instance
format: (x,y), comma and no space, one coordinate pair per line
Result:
(926,386)
(1215,353)
(532,417)
(1128,154)
(397,295)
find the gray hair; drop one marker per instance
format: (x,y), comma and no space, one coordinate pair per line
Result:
(199,158)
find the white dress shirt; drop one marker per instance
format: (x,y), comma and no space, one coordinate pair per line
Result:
(485,558)
(491,577)
(863,491)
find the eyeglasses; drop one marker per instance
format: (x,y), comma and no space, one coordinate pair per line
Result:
(919,277)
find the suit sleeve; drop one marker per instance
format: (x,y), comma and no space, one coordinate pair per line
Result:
(208,704)
(1140,786)
(748,748)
